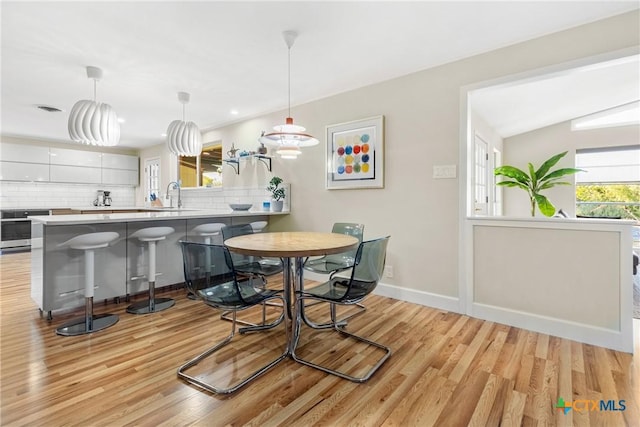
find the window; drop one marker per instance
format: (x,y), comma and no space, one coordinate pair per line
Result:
(497,190)
(481,177)
(610,187)
(204,170)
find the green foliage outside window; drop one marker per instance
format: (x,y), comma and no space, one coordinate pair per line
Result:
(627,196)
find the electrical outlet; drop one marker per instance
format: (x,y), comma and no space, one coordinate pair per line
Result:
(388,271)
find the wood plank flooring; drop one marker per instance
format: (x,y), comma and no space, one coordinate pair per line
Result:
(446,370)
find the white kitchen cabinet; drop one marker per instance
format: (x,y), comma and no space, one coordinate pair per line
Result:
(17,171)
(61,156)
(24,153)
(119,161)
(24,162)
(119,169)
(119,176)
(77,174)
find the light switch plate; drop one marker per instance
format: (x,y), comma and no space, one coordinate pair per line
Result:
(444,171)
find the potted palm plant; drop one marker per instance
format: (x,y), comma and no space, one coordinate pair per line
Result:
(277,193)
(536,180)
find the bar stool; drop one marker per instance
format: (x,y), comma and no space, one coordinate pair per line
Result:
(207,232)
(89,323)
(258,226)
(151,235)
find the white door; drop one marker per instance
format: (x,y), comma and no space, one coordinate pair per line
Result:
(481,177)
(151,179)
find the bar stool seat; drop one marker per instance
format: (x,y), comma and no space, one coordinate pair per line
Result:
(89,323)
(151,235)
(258,226)
(208,230)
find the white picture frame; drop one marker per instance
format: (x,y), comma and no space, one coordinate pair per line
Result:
(355,154)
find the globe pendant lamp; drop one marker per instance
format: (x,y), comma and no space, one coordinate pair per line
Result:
(183,138)
(92,122)
(288,138)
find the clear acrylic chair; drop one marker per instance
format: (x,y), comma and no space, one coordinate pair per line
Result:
(337,263)
(210,275)
(367,271)
(254,267)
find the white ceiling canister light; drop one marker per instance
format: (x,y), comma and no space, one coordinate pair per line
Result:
(92,122)
(183,138)
(288,138)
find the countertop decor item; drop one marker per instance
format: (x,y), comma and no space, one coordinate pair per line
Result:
(92,122)
(232,151)
(183,138)
(277,193)
(240,206)
(536,181)
(288,138)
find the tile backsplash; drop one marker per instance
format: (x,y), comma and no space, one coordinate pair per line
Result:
(219,198)
(53,195)
(57,195)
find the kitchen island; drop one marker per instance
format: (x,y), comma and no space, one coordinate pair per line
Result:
(57,273)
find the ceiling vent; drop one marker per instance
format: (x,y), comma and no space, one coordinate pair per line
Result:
(49,109)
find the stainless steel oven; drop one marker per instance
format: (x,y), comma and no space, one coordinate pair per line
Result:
(16,227)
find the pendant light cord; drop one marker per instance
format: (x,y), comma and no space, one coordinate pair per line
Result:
(289,76)
(183,114)
(95,90)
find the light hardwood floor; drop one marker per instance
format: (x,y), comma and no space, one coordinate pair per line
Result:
(446,370)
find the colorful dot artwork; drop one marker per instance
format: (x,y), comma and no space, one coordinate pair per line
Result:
(352,157)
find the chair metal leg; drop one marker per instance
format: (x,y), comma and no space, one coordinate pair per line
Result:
(329,325)
(339,329)
(209,387)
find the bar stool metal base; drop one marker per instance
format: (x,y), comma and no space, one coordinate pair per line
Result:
(150,306)
(79,326)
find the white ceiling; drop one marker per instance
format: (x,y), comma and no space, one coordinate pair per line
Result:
(231,55)
(517,107)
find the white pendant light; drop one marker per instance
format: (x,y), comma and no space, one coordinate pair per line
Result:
(183,138)
(91,122)
(288,138)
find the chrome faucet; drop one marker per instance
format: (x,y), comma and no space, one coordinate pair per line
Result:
(175,186)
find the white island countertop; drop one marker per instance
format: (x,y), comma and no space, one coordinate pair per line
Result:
(159,214)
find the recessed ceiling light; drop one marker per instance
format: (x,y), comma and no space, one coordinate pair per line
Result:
(49,108)
(163,135)
(234,112)
(121,120)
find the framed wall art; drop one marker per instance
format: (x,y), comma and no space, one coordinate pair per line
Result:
(355,154)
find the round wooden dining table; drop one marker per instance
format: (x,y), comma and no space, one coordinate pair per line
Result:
(296,246)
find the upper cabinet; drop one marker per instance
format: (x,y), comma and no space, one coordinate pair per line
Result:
(24,153)
(23,162)
(89,159)
(119,169)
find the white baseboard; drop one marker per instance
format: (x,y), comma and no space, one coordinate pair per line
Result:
(429,299)
(602,337)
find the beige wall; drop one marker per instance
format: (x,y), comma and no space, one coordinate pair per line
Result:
(537,146)
(422,129)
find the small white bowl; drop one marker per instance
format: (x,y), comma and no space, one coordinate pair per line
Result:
(240,206)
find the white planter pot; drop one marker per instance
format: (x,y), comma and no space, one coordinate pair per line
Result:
(276,205)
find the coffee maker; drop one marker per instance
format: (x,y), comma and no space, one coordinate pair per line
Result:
(107,198)
(99,201)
